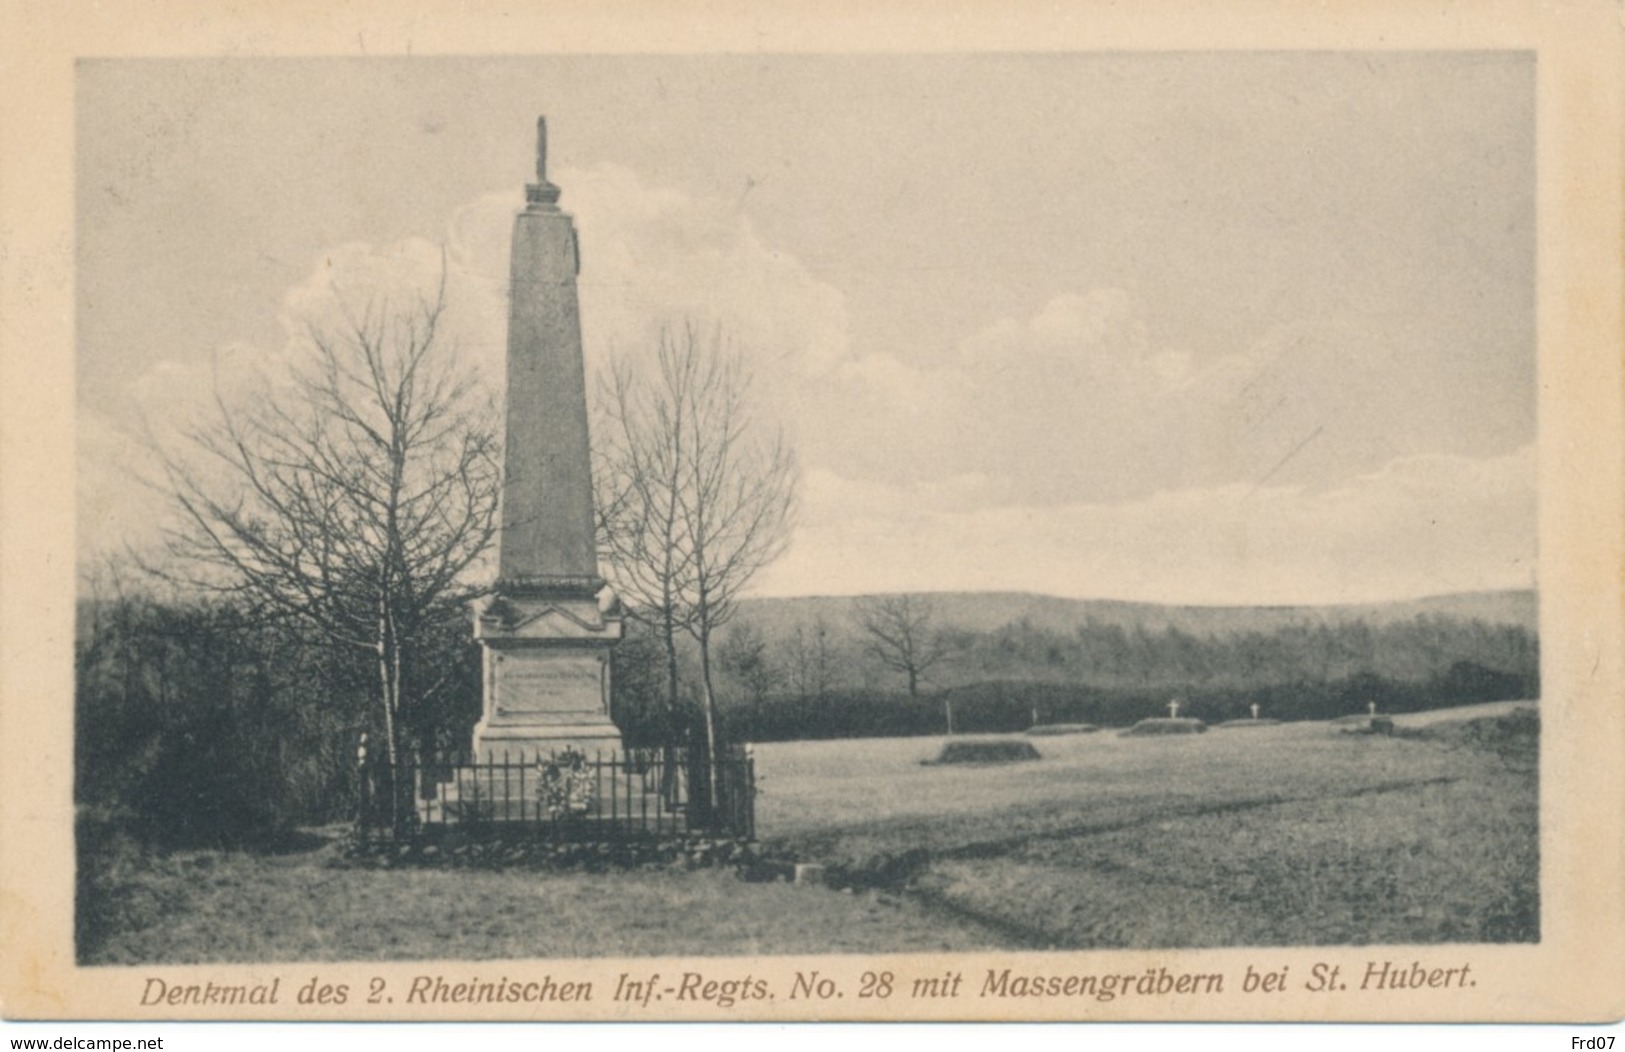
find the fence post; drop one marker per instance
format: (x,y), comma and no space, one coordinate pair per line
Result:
(363,798)
(750,792)
(403,788)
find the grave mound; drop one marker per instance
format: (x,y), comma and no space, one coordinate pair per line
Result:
(1383,725)
(1165,725)
(1233,724)
(997,750)
(1039,730)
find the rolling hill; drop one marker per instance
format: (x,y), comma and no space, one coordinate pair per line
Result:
(988,611)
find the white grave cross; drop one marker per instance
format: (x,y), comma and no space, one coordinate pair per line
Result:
(1173,709)
(1255,710)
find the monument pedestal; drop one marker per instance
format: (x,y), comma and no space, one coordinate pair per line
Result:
(546,666)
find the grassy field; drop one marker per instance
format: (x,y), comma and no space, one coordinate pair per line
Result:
(1291,834)
(197,907)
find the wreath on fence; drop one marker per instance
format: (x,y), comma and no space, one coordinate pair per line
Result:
(566,785)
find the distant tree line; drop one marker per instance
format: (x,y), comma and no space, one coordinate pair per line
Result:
(1111,675)
(1005,706)
(1407,651)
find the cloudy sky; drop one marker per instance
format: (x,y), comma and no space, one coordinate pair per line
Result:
(1217,328)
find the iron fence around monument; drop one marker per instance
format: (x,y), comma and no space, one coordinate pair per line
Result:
(646,794)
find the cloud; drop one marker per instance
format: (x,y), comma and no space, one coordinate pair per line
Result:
(1418,525)
(1076,402)
(654,255)
(1080,402)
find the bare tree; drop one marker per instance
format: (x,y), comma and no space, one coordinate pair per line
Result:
(353,499)
(637,475)
(704,494)
(810,659)
(744,656)
(901,634)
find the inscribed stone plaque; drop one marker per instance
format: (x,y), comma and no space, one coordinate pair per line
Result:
(545,681)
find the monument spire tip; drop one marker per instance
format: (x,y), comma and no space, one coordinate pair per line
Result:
(541,149)
(541,195)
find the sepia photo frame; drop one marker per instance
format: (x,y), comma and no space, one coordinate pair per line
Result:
(1575,972)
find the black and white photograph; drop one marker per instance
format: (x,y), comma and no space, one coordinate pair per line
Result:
(1012,521)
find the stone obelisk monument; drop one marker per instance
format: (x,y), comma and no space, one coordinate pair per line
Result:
(545,633)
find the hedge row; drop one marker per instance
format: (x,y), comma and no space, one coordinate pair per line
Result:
(1004,707)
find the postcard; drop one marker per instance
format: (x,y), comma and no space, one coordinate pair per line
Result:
(1081,515)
